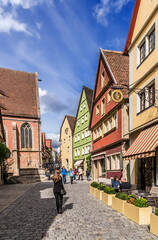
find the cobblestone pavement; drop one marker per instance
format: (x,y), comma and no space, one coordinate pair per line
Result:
(33,217)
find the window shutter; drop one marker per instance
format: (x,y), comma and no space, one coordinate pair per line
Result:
(105,163)
(121,161)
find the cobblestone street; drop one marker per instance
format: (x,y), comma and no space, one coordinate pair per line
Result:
(33,216)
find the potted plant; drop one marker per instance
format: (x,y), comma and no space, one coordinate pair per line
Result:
(137,210)
(107,195)
(100,190)
(154,222)
(118,202)
(93,188)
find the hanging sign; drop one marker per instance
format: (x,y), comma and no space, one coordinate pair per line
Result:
(117,96)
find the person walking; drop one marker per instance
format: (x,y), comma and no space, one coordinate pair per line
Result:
(74,174)
(80,171)
(59,190)
(71,174)
(88,174)
(64,173)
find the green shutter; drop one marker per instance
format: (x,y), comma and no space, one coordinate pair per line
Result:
(121,161)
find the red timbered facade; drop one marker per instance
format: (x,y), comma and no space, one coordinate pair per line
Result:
(109,120)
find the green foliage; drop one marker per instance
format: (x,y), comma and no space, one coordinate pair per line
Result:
(156,211)
(131,199)
(9,181)
(122,196)
(94,184)
(4,153)
(109,190)
(88,159)
(141,202)
(101,187)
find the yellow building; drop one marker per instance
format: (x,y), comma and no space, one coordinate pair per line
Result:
(66,134)
(142,47)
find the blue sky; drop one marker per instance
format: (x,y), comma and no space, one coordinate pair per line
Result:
(60,39)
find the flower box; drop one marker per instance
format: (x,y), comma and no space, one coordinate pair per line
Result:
(118,204)
(138,215)
(91,190)
(99,194)
(154,224)
(107,198)
(95,192)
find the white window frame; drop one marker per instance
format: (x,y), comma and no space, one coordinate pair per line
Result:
(81,108)
(78,123)
(84,106)
(115,120)
(86,117)
(75,139)
(78,137)
(82,120)
(114,162)
(82,150)
(75,153)
(78,152)
(82,135)
(68,148)
(110,124)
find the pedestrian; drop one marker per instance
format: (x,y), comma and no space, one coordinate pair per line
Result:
(71,174)
(80,173)
(64,173)
(59,190)
(88,174)
(74,174)
(124,184)
(116,184)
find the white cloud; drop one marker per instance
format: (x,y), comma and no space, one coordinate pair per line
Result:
(26,4)
(42,92)
(114,43)
(105,7)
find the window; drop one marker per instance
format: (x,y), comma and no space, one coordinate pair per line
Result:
(101,130)
(110,124)
(86,150)
(84,105)
(115,120)
(69,138)
(152,95)
(103,79)
(152,41)
(78,123)
(82,120)
(97,109)
(82,135)
(78,137)
(83,151)
(78,152)
(97,132)
(109,96)
(109,163)
(68,149)
(81,108)
(26,136)
(106,126)
(142,101)
(75,138)
(114,162)
(118,161)
(89,133)
(75,153)
(64,140)
(103,106)
(142,52)
(89,148)
(86,117)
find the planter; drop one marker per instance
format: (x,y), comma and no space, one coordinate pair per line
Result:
(118,205)
(95,192)
(154,224)
(91,190)
(138,215)
(99,194)
(107,198)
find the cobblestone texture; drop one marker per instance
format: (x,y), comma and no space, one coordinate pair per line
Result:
(33,217)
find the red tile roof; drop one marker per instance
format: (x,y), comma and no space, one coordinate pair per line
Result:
(71,121)
(22,89)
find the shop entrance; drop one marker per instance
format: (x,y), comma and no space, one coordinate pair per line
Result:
(146,173)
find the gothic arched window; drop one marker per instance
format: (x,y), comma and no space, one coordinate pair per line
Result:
(26,136)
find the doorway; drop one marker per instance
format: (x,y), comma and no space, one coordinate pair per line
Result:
(146,173)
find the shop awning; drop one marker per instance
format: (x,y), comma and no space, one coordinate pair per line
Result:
(77,163)
(144,145)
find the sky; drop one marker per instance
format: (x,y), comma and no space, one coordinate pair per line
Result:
(60,39)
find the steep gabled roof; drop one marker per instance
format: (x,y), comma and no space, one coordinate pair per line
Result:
(22,89)
(71,120)
(119,65)
(89,95)
(132,25)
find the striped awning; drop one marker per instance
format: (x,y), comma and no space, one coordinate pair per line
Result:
(77,163)
(144,145)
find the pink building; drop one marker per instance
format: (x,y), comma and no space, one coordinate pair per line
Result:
(21,120)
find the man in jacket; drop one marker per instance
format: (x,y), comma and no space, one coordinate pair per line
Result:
(64,173)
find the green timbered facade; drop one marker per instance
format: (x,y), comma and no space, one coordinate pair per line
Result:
(82,139)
